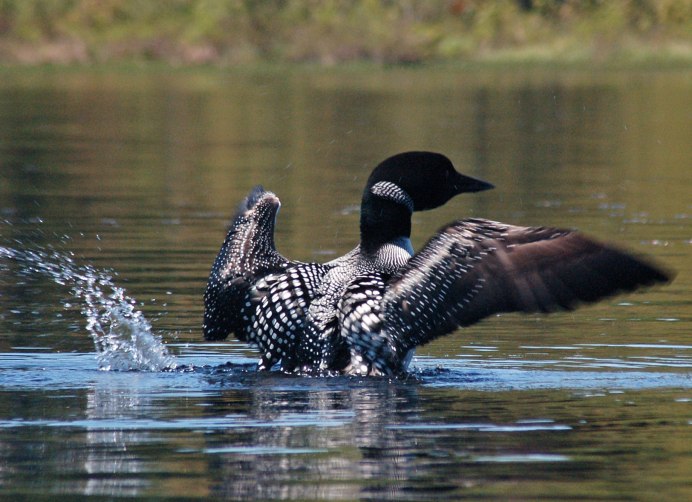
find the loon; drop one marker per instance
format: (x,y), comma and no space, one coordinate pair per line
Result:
(366,312)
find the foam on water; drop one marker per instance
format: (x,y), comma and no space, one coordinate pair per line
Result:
(123,337)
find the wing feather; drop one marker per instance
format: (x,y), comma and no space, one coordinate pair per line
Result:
(474,268)
(247,255)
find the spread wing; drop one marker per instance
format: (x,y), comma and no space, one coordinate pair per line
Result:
(247,255)
(474,268)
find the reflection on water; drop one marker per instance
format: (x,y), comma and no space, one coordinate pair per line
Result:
(115,191)
(222,428)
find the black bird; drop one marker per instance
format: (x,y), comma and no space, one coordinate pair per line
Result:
(366,312)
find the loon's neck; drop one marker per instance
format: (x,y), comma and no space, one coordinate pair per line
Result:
(382,222)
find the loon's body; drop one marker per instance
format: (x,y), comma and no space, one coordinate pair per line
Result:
(366,312)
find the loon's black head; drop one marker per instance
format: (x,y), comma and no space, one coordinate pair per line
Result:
(246,252)
(428,178)
(407,182)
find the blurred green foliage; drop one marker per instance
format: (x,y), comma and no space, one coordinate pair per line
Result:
(334,31)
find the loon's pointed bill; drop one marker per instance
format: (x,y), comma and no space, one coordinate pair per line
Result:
(365,312)
(468,184)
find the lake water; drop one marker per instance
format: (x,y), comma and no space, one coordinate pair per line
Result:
(115,192)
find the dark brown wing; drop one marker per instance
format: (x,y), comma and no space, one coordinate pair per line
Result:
(475,268)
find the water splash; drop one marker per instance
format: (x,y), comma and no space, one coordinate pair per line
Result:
(122,336)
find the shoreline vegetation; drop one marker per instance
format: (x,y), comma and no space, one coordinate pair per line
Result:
(228,33)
